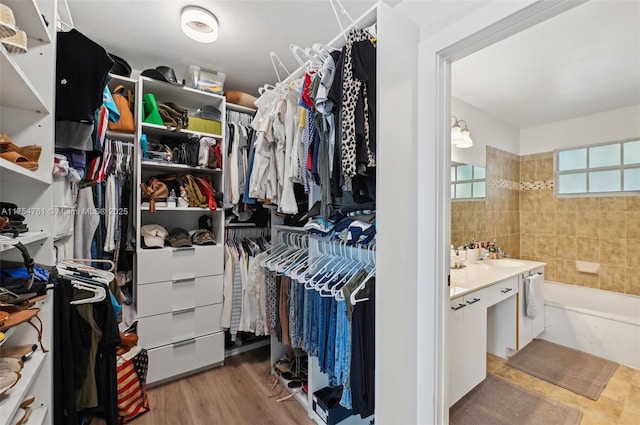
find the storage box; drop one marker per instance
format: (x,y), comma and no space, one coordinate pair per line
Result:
(326,403)
(205,79)
(204,126)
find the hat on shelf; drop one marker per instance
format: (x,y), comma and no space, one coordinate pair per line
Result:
(153,235)
(7,22)
(162,73)
(179,238)
(120,66)
(17,43)
(203,237)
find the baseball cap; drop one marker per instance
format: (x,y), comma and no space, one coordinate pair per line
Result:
(203,237)
(179,237)
(153,235)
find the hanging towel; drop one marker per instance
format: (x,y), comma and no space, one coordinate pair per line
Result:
(533,297)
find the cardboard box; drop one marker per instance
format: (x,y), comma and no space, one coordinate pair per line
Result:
(204,126)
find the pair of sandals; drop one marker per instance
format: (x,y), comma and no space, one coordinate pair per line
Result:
(26,156)
(10,369)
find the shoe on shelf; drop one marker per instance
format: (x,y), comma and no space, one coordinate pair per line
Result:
(7,380)
(23,414)
(11,363)
(31,153)
(28,401)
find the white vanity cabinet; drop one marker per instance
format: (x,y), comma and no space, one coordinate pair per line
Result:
(467,330)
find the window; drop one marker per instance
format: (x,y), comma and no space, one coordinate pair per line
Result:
(467,181)
(601,169)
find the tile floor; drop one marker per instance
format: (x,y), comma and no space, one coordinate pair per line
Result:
(619,403)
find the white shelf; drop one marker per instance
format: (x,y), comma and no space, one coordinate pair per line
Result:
(24,238)
(125,137)
(17,91)
(300,396)
(10,172)
(192,99)
(240,108)
(38,415)
(282,227)
(173,167)
(155,129)
(182,209)
(29,19)
(7,335)
(11,400)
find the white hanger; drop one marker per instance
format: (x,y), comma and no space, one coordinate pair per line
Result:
(99,292)
(274,58)
(297,51)
(344,11)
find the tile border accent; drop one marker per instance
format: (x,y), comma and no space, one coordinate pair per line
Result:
(503,183)
(537,185)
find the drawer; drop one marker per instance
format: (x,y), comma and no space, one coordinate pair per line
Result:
(185,356)
(162,297)
(159,265)
(179,325)
(501,290)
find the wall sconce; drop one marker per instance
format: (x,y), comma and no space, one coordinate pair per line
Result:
(460,136)
(199,24)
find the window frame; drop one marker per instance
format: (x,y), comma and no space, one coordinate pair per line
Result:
(472,180)
(621,167)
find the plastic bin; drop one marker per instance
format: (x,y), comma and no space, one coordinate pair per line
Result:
(205,79)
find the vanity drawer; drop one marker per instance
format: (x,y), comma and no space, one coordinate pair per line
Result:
(158,265)
(185,356)
(180,325)
(161,297)
(501,290)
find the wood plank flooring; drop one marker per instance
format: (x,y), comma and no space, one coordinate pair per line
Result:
(239,393)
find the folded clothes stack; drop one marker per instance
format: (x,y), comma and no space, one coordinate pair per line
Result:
(354,224)
(10,219)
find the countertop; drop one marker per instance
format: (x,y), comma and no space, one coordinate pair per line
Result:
(486,273)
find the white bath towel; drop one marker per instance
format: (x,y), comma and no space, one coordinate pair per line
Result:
(534,296)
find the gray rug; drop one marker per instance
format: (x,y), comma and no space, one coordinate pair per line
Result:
(574,370)
(498,402)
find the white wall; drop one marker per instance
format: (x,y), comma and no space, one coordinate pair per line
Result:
(609,126)
(485,129)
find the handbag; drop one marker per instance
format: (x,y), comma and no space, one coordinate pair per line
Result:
(154,190)
(20,279)
(206,187)
(131,374)
(187,152)
(126,123)
(215,157)
(194,194)
(174,116)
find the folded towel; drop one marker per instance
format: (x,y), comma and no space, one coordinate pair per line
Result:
(533,295)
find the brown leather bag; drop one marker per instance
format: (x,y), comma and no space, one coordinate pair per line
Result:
(126,124)
(154,190)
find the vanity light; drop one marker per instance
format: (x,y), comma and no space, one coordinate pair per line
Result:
(199,24)
(460,136)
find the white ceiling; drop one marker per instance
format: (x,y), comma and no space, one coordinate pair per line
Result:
(584,61)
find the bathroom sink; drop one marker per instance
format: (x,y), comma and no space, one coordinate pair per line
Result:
(506,263)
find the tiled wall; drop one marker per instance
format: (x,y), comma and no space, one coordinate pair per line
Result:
(503,200)
(468,222)
(559,231)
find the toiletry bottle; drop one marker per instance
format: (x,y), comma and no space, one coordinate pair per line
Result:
(172,201)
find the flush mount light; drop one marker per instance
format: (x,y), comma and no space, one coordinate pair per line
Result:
(199,24)
(460,136)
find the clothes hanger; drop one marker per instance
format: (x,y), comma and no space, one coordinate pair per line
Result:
(274,57)
(297,51)
(99,292)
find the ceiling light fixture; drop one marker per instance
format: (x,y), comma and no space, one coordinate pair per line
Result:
(199,24)
(460,136)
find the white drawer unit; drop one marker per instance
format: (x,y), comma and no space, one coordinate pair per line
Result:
(159,265)
(185,356)
(501,290)
(179,294)
(179,325)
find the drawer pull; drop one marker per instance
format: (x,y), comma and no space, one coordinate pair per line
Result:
(185,342)
(186,279)
(458,307)
(186,310)
(505,290)
(184,248)
(473,301)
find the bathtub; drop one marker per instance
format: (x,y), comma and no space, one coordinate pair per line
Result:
(602,323)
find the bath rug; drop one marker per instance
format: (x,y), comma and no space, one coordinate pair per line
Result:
(498,402)
(576,371)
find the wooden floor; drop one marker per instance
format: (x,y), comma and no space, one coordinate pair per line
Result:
(619,403)
(237,394)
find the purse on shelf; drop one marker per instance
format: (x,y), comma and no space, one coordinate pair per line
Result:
(206,188)
(123,99)
(186,152)
(195,196)
(174,116)
(154,190)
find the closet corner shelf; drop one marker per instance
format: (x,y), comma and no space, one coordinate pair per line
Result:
(12,173)
(38,415)
(155,129)
(182,95)
(173,167)
(24,238)
(17,90)
(11,400)
(29,18)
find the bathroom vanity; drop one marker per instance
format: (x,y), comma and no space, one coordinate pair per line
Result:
(487,313)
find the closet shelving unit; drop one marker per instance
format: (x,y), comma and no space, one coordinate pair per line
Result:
(316,379)
(27,102)
(178,290)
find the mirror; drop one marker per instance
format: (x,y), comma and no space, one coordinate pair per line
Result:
(468,206)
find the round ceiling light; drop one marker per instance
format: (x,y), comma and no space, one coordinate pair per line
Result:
(199,24)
